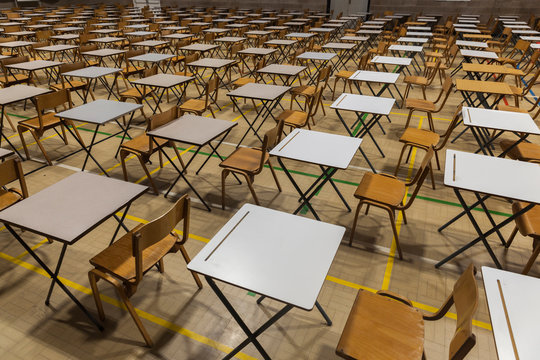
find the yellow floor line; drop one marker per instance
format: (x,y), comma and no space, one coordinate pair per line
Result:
(42,242)
(117,165)
(399,222)
(143,314)
(42,139)
(164,164)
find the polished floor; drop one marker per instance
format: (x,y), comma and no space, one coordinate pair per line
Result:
(187,323)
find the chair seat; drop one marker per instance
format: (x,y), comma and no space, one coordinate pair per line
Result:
(420,137)
(305,90)
(49,120)
(419,104)
(293,118)
(8,198)
(529,222)
(178,58)
(379,328)
(141,144)
(15,78)
(506,60)
(193,105)
(183,73)
(243,81)
(516,90)
(135,93)
(524,151)
(72,84)
(344,74)
(416,80)
(118,258)
(129,70)
(245,159)
(429,54)
(503,107)
(380,188)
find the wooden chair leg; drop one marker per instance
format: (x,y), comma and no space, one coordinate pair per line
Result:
(334,89)
(179,158)
(424,92)
(274,174)
(399,160)
(532,259)
(63,129)
(409,118)
(437,160)
(123,155)
(406,94)
(430,121)
(9,121)
(75,130)
(353,229)
(432,177)
(512,237)
(94,277)
(396,236)
(40,145)
(123,296)
(186,257)
(161,266)
(249,181)
(143,165)
(224,174)
(21,131)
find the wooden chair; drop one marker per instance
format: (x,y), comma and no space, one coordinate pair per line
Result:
(198,106)
(427,106)
(47,120)
(131,69)
(124,263)
(139,96)
(10,171)
(387,192)
(422,81)
(300,118)
(345,75)
(249,162)
(425,139)
(73,84)
(143,146)
(308,91)
(528,224)
(521,48)
(385,325)
(12,77)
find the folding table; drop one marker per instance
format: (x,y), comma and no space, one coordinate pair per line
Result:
(345,52)
(362,105)
(284,46)
(12,95)
(178,36)
(99,113)
(399,62)
(268,252)
(141,33)
(319,60)
(409,51)
(479,87)
(17,46)
(286,73)
(229,41)
(384,78)
(471,44)
(68,210)
(101,54)
(256,54)
(194,130)
(163,82)
(268,95)
(93,74)
(105,32)
(150,44)
(200,48)
(512,301)
(475,72)
(35,65)
(491,176)
(481,120)
(215,65)
(66,38)
(154,58)
(61,49)
(330,152)
(413,40)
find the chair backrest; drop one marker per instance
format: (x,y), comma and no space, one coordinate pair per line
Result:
(132,53)
(52,101)
(451,56)
(11,61)
(313,102)
(445,92)
(150,71)
(11,170)
(156,230)
(420,176)
(271,138)
(71,67)
(212,87)
(453,123)
(324,75)
(158,120)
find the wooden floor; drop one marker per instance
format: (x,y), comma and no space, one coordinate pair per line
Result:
(189,324)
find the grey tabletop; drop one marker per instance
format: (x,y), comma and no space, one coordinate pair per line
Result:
(15,44)
(281,42)
(104,52)
(341,46)
(34,65)
(107,39)
(289,70)
(151,57)
(150,43)
(193,130)
(257,51)
(230,39)
(92,72)
(323,56)
(20,92)
(5,153)
(258,32)
(65,37)
(211,63)
(259,91)
(140,33)
(178,36)
(56,48)
(72,207)
(163,80)
(100,111)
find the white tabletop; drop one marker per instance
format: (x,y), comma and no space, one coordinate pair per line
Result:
(530,38)
(320,148)
(199,47)
(511,179)
(163,80)
(34,65)
(466,30)
(529,32)
(364,104)
(477,44)
(300,35)
(92,72)
(288,262)
(420,28)
(259,91)
(104,52)
(418,33)
(413,40)
(20,92)
(366,31)
(151,57)
(375,76)
(470,26)
(339,46)
(391,60)
(500,120)
(478,54)
(289,70)
(354,38)
(99,111)
(70,208)
(5,153)
(521,294)
(257,51)
(211,63)
(150,43)
(192,129)
(409,48)
(56,48)
(323,56)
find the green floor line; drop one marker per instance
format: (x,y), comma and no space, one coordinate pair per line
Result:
(19,116)
(304,210)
